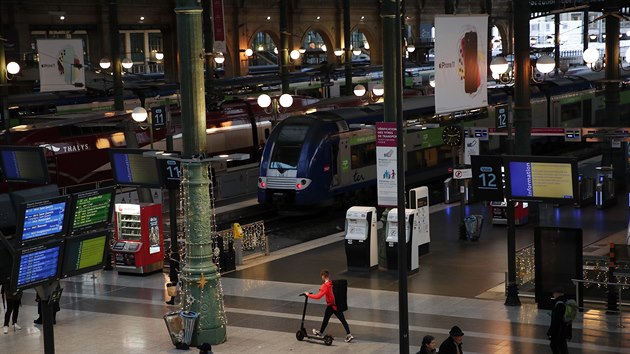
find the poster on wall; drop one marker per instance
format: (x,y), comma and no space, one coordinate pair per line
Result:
(218,21)
(61,64)
(460,62)
(386,164)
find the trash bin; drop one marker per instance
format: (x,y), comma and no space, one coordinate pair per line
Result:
(473,225)
(175,327)
(189,322)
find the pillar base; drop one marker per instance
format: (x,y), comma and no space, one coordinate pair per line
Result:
(512,296)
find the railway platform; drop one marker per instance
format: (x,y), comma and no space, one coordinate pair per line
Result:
(459,283)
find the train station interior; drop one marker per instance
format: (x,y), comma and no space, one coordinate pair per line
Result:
(175,175)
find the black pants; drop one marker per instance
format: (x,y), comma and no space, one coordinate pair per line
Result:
(13,306)
(329,312)
(559,346)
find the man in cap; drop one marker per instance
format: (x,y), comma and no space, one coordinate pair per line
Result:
(453,344)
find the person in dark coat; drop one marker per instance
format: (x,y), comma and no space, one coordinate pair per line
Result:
(559,331)
(428,345)
(453,344)
(13,303)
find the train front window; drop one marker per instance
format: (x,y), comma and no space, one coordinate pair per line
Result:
(286,151)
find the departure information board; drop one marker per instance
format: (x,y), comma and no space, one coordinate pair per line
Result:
(91,210)
(542,179)
(132,168)
(24,164)
(84,254)
(42,219)
(37,265)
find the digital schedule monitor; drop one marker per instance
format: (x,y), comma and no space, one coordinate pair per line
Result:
(42,220)
(91,210)
(37,265)
(84,253)
(131,168)
(541,179)
(24,164)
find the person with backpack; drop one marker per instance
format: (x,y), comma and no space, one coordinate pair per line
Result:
(331,305)
(560,329)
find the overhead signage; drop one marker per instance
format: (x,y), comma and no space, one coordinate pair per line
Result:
(60,64)
(487,177)
(461,47)
(543,179)
(158,117)
(463,173)
(502,115)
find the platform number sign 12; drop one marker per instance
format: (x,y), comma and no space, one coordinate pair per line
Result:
(487,177)
(158,117)
(501,112)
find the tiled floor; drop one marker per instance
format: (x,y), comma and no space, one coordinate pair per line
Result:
(459,283)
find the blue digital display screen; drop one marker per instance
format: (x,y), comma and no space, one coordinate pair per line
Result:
(43,220)
(37,266)
(131,168)
(24,164)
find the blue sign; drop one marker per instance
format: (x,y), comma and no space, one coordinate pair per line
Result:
(43,220)
(38,266)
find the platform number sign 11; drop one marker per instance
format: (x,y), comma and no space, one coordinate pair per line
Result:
(501,112)
(172,173)
(487,177)
(158,117)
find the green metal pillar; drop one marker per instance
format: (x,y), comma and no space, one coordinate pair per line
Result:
(284,46)
(201,287)
(347,39)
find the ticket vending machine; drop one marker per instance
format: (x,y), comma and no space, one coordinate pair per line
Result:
(411,237)
(361,237)
(139,241)
(605,194)
(419,200)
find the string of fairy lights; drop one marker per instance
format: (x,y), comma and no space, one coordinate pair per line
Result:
(187,296)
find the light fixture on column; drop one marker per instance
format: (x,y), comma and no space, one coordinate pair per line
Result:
(372,96)
(274,105)
(502,72)
(219,58)
(127,63)
(596,63)
(12,69)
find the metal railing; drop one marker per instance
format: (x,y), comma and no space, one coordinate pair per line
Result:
(255,240)
(619,287)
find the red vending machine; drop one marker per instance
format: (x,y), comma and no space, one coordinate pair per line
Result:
(139,246)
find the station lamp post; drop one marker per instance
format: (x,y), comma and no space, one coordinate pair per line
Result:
(373,95)
(6,73)
(275,105)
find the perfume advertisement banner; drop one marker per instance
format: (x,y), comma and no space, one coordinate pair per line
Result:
(61,64)
(461,47)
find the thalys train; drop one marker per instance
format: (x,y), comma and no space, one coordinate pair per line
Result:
(317,159)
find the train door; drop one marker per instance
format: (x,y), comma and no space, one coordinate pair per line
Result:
(334,158)
(342,157)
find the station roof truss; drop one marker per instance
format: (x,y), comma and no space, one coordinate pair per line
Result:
(542,8)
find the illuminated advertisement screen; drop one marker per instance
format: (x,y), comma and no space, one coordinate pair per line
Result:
(91,210)
(544,179)
(24,164)
(42,219)
(37,265)
(131,168)
(84,253)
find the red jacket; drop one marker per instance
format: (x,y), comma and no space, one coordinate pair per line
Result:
(325,290)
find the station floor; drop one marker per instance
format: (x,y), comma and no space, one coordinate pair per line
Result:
(459,283)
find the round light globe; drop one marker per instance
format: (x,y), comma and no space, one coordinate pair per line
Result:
(545,64)
(159,55)
(378,90)
(264,100)
(356,51)
(13,68)
(411,48)
(295,55)
(499,65)
(219,58)
(359,90)
(249,52)
(139,114)
(286,100)
(127,63)
(338,52)
(590,55)
(105,63)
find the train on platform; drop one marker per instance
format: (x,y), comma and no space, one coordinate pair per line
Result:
(319,159)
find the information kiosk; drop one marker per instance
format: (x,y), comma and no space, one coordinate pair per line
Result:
(411,237)
(139,246)
(361,245)
(419,200)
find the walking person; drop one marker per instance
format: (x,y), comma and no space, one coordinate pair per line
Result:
(331,308)
(559,330)
(453,344)
(428,345)
(13,303)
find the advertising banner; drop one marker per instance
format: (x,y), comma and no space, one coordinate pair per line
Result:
(386,164)
(61,64)
(218,26)
(461,46)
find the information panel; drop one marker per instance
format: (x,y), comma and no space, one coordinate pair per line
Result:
(91,210)
(488,177)
(84,253)
(42,219)
(131,168)
(544,179)
(24,164)
(37,265)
